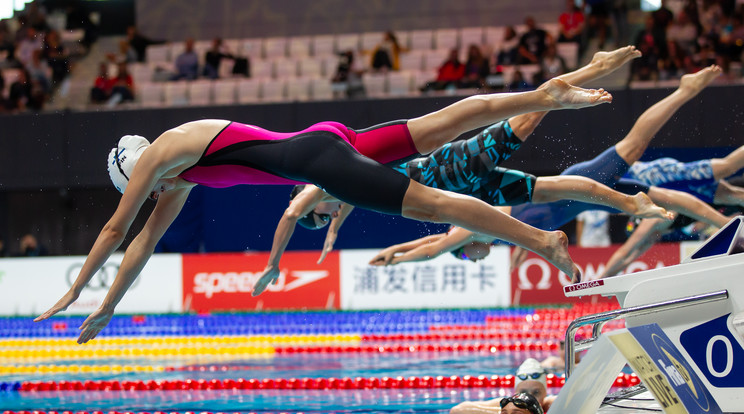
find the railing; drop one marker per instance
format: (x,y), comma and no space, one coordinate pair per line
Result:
(598,320)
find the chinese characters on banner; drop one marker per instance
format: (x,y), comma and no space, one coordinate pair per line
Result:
(445,282)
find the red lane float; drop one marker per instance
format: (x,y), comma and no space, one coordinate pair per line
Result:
(347,383)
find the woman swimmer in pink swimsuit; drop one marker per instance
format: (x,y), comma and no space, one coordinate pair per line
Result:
(220,153)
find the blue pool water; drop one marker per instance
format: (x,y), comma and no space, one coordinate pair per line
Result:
(336,365)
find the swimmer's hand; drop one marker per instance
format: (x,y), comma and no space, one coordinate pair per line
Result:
(327,246)
(69,297)
(383,258)
(94,324)
(270,274)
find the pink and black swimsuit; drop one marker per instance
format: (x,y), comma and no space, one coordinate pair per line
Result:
(328,154)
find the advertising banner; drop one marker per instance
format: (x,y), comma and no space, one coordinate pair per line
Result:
(444,282)
(536,281)
(30,286)
(222,282)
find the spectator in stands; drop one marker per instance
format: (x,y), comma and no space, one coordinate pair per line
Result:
(518,82)
(139,42)
(507,53)
(40,71)
(3,250)
(56,57)
(122,86)
(25,93)
(187,63)
(29,246)
(3,102)
(731,41)
(593,228)
(663,17)
(676,63)
(349,75)
(571,23)
(125,53)
(25,49)
(449,74)
(533,43)
(213,58)
(386,55)
(101,90)
(7,46)
(646,67)
(476,69)
(683,32)
(78,17)
(598,21)
(552,65)
(36,17)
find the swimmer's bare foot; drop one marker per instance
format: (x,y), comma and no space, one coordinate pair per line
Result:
(693,83)
(645,208)
(608,62)
(556,253)
(565,96)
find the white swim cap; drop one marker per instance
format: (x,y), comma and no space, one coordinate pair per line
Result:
(531,370)
(121,159)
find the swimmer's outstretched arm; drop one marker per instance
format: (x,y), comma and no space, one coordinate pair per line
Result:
(648,232)
(302,205)
(688,205)
(138,253)
(333,228)
(152,165)
(425,248)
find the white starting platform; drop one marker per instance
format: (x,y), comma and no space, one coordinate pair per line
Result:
(684,334)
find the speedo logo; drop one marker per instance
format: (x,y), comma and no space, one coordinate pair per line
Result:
(211,283)
(583,285)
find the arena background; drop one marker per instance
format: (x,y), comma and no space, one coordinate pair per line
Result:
(53,182)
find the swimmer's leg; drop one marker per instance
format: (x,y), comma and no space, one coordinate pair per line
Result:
(688,205)
(429,204)
(601,65)
(433,130)
(728,165)
(728,195)
(572,187)
(632,147)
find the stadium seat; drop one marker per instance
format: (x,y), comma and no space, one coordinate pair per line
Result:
(375,84)
(275,47)
(157,54)
(471,36)
(299,47)
(200,92)
(225,91)
(176,93)
(249,90)
(150,94)
(252,48)
(311,67)
(348,41)
(421,39)
(285,68)
(399,83)
(262,68)
(433,59)
(370,40)
(273,90)
(321,89)
(298,89)
(446,39)
(324,45)
(411,60)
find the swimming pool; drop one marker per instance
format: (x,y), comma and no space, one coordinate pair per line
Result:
(310,362)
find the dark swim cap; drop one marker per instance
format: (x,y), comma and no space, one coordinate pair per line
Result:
(312,220)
